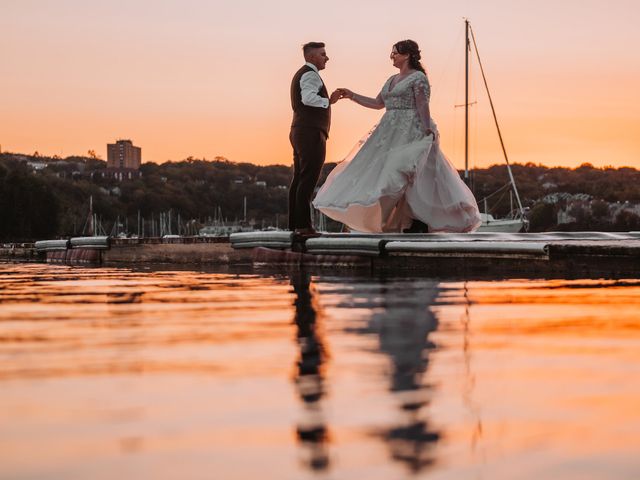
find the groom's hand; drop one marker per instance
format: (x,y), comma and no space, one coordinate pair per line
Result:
(335,96)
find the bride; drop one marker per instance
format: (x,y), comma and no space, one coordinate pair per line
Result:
(397,178)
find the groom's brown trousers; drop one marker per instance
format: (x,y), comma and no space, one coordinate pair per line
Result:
(309,149)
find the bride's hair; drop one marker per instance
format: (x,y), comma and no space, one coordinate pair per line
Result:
(410,48)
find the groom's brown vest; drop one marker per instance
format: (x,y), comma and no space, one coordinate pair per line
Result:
(303,115)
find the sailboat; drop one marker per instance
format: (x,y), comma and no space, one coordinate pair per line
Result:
(221,227)
(517,220)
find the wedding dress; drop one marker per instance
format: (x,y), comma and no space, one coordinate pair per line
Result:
(396,173)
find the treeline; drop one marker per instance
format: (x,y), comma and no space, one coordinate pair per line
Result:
(49,197)
(29,208)
(54,201)
(536,181)
(600,199)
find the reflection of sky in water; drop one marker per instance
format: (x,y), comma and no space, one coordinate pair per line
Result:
(174,374)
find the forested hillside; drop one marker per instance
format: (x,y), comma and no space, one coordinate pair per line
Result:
(42,197)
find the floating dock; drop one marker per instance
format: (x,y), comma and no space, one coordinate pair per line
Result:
(556,253)
(566,254)
(133,251)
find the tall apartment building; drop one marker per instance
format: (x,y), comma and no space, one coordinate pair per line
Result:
(123,155)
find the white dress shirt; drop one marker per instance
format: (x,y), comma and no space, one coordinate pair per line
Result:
(310,84)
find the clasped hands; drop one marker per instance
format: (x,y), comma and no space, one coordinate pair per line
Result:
(340,93)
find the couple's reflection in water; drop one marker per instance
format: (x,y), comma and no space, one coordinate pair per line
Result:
(309,375)
(402,320)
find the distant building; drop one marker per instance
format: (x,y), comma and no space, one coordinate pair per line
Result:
(123,160)
(123,155)
(37,165)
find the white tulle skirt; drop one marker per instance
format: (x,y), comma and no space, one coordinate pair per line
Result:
(394,175)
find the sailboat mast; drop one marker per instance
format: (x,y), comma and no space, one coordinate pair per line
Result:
(495,118)
(92,225)
(467,47)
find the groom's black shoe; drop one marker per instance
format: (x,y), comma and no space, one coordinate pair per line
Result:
(417,227)
(307,232)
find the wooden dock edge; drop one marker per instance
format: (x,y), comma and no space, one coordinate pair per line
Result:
(560,262)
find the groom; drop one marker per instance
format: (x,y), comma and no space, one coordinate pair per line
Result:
(309,132)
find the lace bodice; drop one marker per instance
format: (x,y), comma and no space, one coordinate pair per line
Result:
(411,95)
(411,92)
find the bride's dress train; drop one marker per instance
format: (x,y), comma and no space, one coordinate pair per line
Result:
(397,173)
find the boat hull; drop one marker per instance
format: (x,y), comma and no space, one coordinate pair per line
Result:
(505,226)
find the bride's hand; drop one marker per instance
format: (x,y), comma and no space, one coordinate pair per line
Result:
(345,93)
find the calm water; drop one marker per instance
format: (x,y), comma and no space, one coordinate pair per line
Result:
(114,373)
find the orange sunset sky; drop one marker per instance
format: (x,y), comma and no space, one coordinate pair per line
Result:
(211,78)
